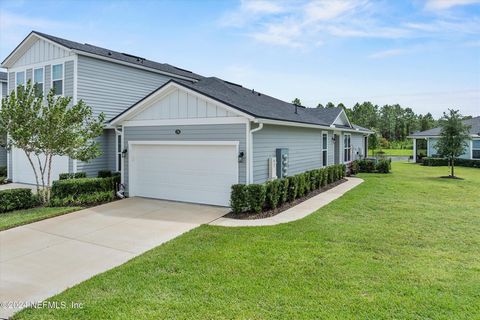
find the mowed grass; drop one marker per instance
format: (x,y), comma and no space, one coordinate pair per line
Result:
(20,217)
(395,152)
(404,245)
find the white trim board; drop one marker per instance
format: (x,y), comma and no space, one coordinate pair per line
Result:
(186,121)
(185,143)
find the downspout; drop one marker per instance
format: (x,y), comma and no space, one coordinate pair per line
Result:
(121,187)
(250,152)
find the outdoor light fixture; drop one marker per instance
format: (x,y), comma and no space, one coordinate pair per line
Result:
(124,153)
(178,131)
(333,138)
(241,155)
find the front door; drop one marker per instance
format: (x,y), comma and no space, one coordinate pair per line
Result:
(337,149)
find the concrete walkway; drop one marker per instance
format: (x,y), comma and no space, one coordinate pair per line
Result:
(44,258)
(17,185)
(298,212)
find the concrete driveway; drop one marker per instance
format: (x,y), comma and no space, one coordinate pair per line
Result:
(46,257)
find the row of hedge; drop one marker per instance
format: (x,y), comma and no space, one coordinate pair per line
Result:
(437,162)
(16,199)
(270,195)
(3,171)
(371,166)
(84,191)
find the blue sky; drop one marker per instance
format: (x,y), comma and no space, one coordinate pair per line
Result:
(421,54)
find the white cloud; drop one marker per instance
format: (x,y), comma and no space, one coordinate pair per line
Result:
(262,6)
(447,4)
(387,53)
(322,10)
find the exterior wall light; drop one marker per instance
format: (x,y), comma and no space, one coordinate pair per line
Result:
(241,156)
(124,153)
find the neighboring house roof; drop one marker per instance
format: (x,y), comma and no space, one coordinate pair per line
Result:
(256,104)
(474,124)
(115,55)
(3,76)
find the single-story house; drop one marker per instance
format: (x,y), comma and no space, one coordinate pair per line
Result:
(174,134)
(424,142)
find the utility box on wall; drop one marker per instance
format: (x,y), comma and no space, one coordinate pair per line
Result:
(282,162)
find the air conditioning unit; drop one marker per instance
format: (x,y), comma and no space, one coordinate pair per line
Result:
(272,168)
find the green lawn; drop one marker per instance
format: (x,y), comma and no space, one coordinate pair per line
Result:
(17,218)
(395,152)
(400,246)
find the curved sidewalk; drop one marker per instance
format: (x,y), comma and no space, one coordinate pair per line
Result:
(300,211)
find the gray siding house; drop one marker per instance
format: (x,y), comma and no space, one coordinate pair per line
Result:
(174,134)
(424,142)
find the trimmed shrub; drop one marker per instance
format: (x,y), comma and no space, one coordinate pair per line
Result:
(273,193)
(15,199)
(324,177)
(104,174)
(238,198)
(3,171)
(355,168)
(256,197)
(314,179)
(301,185)
(343,171)
(383,166)
(292,188)
(283,190)
(77,187)
(366,165)
(308,181)
(435,162)
(77,175)
(83,199)
(331,174)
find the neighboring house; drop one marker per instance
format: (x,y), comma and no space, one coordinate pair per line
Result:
(174,134)
(424,143)
(3,93)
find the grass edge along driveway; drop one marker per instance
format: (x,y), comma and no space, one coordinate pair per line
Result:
(18,218)
(402,245)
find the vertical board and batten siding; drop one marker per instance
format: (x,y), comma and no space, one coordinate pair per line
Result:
(48,78)
(304,149)
(3,152)
(41,51)
(432,150)
(111,88)
(219,132)
(106,161)
(180,104)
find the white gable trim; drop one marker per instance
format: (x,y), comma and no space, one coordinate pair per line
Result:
(162,93)
(23,47)
(346,117)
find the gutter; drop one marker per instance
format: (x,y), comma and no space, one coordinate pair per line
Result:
(308,125)
(250,151)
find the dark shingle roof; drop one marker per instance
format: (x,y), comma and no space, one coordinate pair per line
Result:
(474,124)
(257,104)
(88,48)
(3,76)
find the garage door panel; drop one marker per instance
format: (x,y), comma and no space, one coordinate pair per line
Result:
(192,173)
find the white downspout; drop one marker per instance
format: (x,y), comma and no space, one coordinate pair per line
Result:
(121,191)
(250,152)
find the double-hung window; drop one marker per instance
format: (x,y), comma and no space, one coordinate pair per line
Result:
(119,152)
(475,149)
(20,79)
(38,81)
(324,149)
(57,79)
(347,148)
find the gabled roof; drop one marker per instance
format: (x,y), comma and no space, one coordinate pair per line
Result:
(110,54)
(474,124)
(3,76)
(256,104)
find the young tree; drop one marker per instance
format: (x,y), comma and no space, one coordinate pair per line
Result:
(297,102)
(453,137)
(45,128)
(373,142)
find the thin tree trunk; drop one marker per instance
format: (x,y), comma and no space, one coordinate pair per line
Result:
(49,157)
(34,170)
(453,167)
(42,170)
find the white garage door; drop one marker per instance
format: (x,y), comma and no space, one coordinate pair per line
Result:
(199,172)
(23,172)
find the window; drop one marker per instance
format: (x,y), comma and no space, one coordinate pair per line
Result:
(347,148)
(324,149)
(38,81)
(57,79)
(119,152)
(20,79)
(475,149)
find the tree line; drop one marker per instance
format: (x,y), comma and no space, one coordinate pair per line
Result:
(392,122)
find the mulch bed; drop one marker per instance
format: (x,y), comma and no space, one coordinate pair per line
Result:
(283,207)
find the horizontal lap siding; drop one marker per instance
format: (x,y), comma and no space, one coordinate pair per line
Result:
(106,161)
(304,148)
(221,132)
(111,88)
